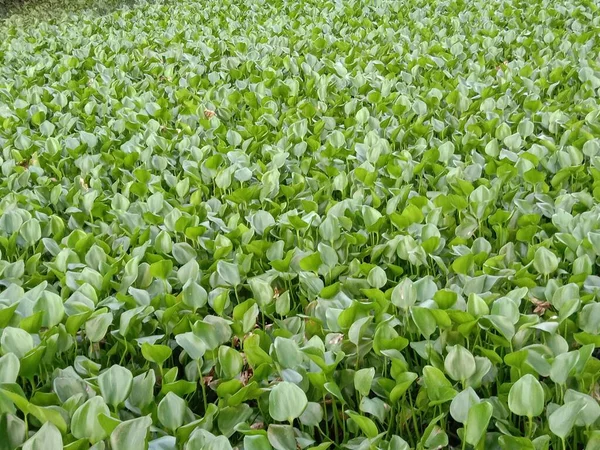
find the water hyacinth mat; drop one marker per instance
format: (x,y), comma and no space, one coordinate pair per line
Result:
(301,225)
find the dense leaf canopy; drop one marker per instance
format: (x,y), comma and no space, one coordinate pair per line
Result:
(301,224)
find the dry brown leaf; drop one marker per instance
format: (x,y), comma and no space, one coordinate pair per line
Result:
(540,306)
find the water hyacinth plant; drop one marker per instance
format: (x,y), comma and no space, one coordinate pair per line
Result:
(301,224)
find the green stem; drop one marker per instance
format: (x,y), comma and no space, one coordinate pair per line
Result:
(204,401)
(124,353)
(323,435)
(343,428)
(414,418)
(392,421)
(335,419)
(326,416)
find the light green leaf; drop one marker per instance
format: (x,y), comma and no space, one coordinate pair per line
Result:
(526,397)
(281,437)
(131,434)
(17,341)
(47,438)
(544,261)
(363,379)
(286,402)
(477,422)
(171,411)
(115,384)
(85,424)
(9,368)
(562,420)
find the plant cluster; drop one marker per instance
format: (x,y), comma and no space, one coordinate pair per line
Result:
(301,225)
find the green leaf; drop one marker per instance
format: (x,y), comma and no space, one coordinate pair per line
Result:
(366,425)
(16,341)
(589,318)
(47,438)
(161,269)
(404,294)
(9,368)
(115,385)
(439,389)
(288,353)
(363,379)
(192,344)
(424,320)
(477,422)
(312,415)
(515,443)
(594,440)
(562,366)
(311,262)
(229,273)
(362,116)
(377,277)
(261,221)
(13,429)
(526,397)
(544,261)
(281,437)
(403,382)
(229,417)
(171,411)
(590,413)
(437,438)
(85,424)
(234,138)
(180,387)
(230,362)
(97,326)
(286,402)
(142,390)
(462,404)
(262,290)
(358,329)
(219,443)
(52,309)
(109,423)
(194,295)
(156,353)
(459,363)
(397,443)
(131,434)
(334,390)
(562,420)
(463,264)
(257,442)
(31,232)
